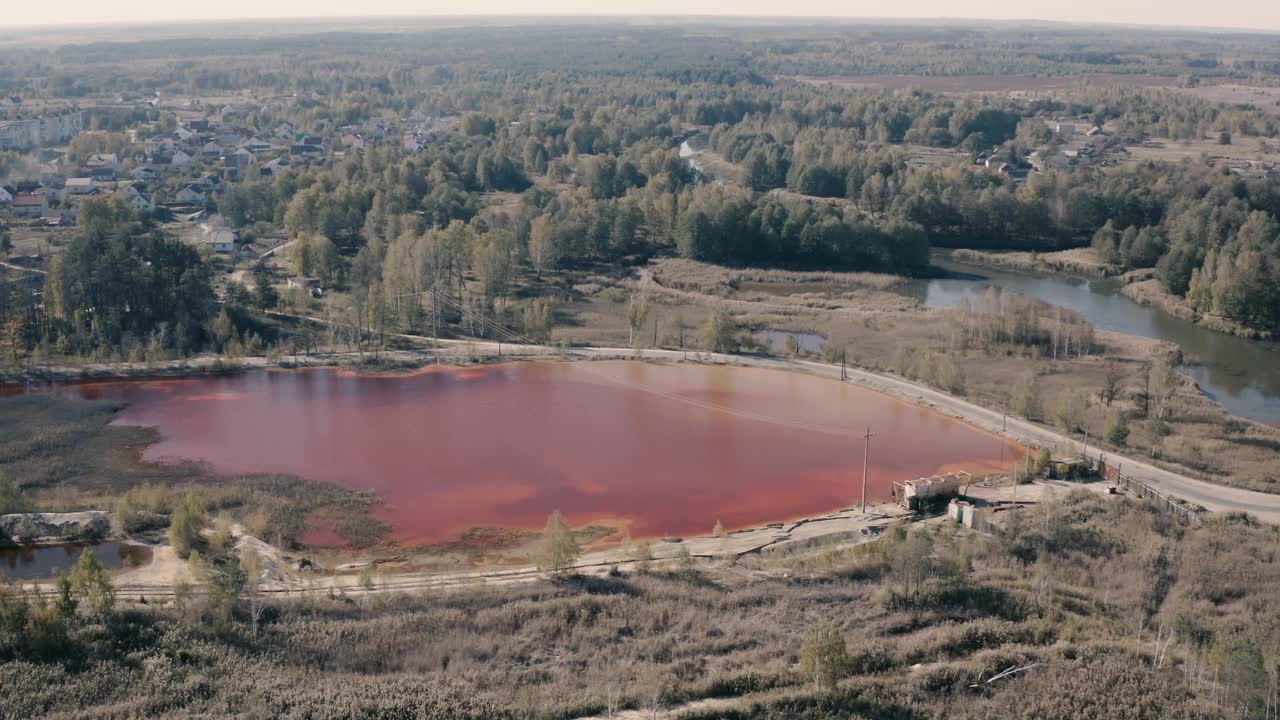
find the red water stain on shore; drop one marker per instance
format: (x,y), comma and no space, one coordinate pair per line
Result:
(671,448)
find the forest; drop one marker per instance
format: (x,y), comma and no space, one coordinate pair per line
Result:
(561,151)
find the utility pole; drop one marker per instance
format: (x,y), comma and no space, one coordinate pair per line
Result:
(843,375)
(866,453)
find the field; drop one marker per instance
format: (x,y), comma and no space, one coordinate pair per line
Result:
(1264,98)
(994,84)
(1241,151)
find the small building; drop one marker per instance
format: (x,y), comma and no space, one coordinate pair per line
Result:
(30,205)
(137,200)
(6,197)
(190,195)
(967,514)
(274,166)
(103,160)
(216,238)
(103,174)
(309,284)
(80,186)
(1068,469)
(257,146)
(180,159)
(921,493)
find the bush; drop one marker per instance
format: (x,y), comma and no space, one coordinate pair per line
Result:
(185,525)
(823,658)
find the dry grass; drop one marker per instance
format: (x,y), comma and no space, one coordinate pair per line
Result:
(1064,588)
(708,278)
(1079,261)
(67,457)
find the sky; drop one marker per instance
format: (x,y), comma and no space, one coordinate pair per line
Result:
(1244,14)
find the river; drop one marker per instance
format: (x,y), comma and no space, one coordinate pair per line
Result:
(1242,374)
(663,449)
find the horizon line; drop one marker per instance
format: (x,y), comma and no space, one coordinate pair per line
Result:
(706,18)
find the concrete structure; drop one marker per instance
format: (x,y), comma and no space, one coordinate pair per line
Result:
(37,132)
(921,492)
(968,514)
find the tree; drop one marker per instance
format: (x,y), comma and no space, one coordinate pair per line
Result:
(1024,398)
(1070,415)
(12,499)
(637,315)
(823,657)
(721,332)
(185,525)
(791,345)
(13,335)
(1164,386)
(557,550)
(251,563)
(1112,379)
(264,293)
(1118,431)
(66,603)
(541,245)
(91,584)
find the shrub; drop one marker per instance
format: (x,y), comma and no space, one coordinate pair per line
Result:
(823,658)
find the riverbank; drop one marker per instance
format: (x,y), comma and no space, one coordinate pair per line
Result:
(1077,261)
(1150,291)
(1137,285)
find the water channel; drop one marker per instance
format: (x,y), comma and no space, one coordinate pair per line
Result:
(1242,374)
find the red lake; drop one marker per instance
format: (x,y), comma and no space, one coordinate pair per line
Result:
(664,449)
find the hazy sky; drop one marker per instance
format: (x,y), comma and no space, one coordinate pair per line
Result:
(1249,14)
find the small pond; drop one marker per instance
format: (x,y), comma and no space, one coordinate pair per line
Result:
(42,563)
(810,343)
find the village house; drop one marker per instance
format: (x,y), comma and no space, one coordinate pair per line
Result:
(103,160)
(190,195)
(180,159)
(6,197)
(30,205)
(274,166)
(103,174)
(137,200)
(80,186)
(216,238)
(257,146)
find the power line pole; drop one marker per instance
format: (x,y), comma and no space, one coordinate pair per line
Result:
(866,452)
